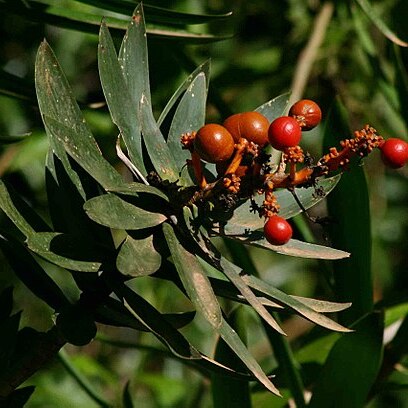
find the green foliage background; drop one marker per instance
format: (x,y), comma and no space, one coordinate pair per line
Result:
(355,63)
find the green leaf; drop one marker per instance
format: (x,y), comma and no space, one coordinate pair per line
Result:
(189,117)
(89,22)
(57,102)
(351,367)
(236,344)
(7,205)
(203,68)
(244,220)
(194,280)
(232,272)
(31,274)
(154,320)
(138,257)
(379,22)
(84,150)
(133,189)
(159,153)
(293,303)
(77,325)
(275,107)
(294,247)
(200,292)
(156,14)
(113,212)
(123,83)
(67,251)
(349,207)
(322,306)
(228,391)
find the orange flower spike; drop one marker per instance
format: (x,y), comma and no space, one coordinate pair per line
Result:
(198,170)
(240,148)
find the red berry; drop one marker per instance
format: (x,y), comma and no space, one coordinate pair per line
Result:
(394,153)
(284,132)
(277,230)
(252,126)
(214,143)
(307,113)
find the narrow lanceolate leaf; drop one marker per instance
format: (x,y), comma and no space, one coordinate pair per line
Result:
(122,89)
(133,58)
(379,22)
(7,205)
(156,14)
(132,259)
(322,306)
(275,107)
(351,366)
(244,220)
(56,101)
(62,250)
(293,247)
(232,272)
(201,294)
(292,303)
(236,344)
(155,321)
(113,212)
(189,117)
(194,279)
(159,153)
(203,68)
(84,150)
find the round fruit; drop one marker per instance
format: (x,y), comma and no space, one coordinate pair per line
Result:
(252,126)
(277,230)
(307,113)
(214,143)
(394,153)
(284,132)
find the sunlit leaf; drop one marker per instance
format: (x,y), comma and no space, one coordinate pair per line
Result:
(203,68)
(194,279)
(111,211)
(57,102)
(189,117)
(293,303)
(292,248)
(244,220)
(275,107)
(123,82)
(132,259)
(60,249)
(232,272)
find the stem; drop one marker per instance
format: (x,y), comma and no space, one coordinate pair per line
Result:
(82,381)
(309,53)
(287,363)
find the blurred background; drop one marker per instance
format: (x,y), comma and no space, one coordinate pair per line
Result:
(318,50)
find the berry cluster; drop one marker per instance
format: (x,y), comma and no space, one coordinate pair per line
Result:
(238,150)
